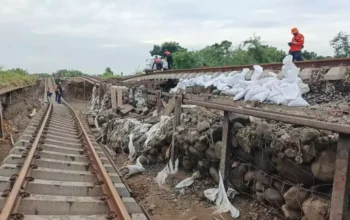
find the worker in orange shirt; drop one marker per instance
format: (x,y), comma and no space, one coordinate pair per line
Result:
(169,59)
(296,45)
(158,62)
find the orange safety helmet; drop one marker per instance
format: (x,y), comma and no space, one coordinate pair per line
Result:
(295,30)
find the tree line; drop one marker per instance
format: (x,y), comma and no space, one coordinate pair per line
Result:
(250,51)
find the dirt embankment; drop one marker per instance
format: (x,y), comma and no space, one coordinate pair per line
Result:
(74,89)
(16,113)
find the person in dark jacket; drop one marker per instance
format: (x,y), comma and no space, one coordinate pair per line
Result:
(169,59)
(296,45)
(60,90)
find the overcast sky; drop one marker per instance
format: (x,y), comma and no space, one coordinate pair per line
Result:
(89,35)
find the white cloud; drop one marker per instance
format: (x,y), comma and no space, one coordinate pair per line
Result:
(92,34)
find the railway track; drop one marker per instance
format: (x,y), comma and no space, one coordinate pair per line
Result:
(190,73)
(56,170)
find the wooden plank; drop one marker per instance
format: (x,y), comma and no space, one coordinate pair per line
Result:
(119,97)
(159,101)
(2,134)
(341,183)
(114,99)
(91,122)
(124,109)
(169,107)
(84,90)
(99,95)
(225,149)
(177,122)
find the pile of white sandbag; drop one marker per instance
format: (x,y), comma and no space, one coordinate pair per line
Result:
(286,91)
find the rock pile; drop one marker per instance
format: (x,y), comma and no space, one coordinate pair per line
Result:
(280,165)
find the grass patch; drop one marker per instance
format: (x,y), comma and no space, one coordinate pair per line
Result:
(15,78)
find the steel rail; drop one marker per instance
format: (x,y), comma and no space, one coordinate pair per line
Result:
(12,199)
(114,200)
(272,66)
(275,116)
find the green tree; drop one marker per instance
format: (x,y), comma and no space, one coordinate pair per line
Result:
(187,59)
(261,52)
(173,47)
(69,73)
(310,55)
(108,72)
(341,45)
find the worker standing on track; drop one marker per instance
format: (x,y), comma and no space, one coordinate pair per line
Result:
(296,45)
(56,92)
(60,90)
(169,59)
(158,62)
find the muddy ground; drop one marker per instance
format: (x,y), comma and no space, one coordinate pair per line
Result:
(165,203)
(16,114)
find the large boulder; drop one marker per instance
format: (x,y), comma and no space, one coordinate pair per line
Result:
(316,208)
(323,168)
(295,197)
(308,152)
(274,197)
(203,126)
(297,173)
(263,160)
(236,177)
(291,214)
(309,134)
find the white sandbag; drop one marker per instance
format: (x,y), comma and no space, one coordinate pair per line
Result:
(135,169)
(272,82)
(304,88)
(261,97)
(258,70)
(221,200)
(299,102)
(290,90)
(132,151)
(168,169)
(188,181)
(251,93)
(232,91)
(278,99)
(211,194)
(240,95)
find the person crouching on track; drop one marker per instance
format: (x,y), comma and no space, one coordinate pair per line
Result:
(60,90)
(169,59)
(296,45)
(48,92)
(56,92)
(158,62)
